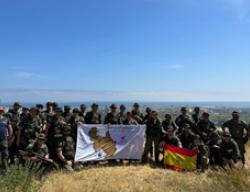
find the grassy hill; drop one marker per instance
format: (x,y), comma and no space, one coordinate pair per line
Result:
(129,179)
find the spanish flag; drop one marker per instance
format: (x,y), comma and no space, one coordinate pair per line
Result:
(180,159)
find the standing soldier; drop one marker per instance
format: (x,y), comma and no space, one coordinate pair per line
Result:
(14,118)
(153,135)
(82,110)
(196,115)
(239,132)
(122,115)
(5,133)
(168,123)
(205,127)
(29,129)
(67,113)
(93,117)
(65,149)
(41,115)
(148,112)
(137,113)
(49,115)
(74,121)
(184,119)
(112,117)
(129,119)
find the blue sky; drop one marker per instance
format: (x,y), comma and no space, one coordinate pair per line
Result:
(149,50)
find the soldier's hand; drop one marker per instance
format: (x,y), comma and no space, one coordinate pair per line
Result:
(69,163)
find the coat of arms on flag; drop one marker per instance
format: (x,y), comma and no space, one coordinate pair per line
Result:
(179,158)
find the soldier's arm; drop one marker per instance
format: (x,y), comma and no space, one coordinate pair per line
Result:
(10,132)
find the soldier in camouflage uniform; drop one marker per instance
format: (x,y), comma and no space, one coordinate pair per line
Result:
(170,138)
(14,117)
(130,119)
(49,115)
(24,114)
(122,115)
(67,113)
(55,128)
(39,147)
(112,117)
(229,150)
(82,110)
(203,153)
(29,129)
(65,149)
(93,117)
(239,132)
(153,135)
(168,123)
(74,121)
(205,127)
(42,115)
(196,115)
(138,115)
(184,119)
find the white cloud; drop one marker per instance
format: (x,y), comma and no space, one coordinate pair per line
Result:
(27,75)
(177,66)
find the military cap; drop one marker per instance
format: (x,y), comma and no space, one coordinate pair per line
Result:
(17,104)
(41,136)
(76,110)
(183,109)
(39,106)
(66,107)
(167,115)
(49,104)
(205,114)
(122,106)
(136,105)
(113,106)
(235,113)
(94,105)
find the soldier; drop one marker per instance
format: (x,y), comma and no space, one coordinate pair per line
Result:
(148,112)
(184,119)
(41,116)
(170,138)
(74,121)
(55,128)
(239,131)
(67,113)
(168,123)
(137,113)
(24,114)
(214,144)
(82,110)
(205,127)
(14,117)
(186,136)
(49,115)
(229,150)
(153,135)
(38,147)
(129,119)
(66,149)
(93,117)
(196,115)
(112,117)
(122,115)
(202,156)
(5,133)
(29,128)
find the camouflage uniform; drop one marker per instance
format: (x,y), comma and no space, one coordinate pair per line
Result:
(15,119)
(238,130)
(205,128)
(30,128)
(230,150)
(74,121)
(34,148)
(182,120)
(112,119)
(67,145)
(153,135)
(93,119)
(122,118)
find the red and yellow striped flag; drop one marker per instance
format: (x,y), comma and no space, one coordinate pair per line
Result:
(179,158)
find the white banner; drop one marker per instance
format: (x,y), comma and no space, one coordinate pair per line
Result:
(104,142)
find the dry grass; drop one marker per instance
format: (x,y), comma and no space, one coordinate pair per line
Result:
(146,179)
